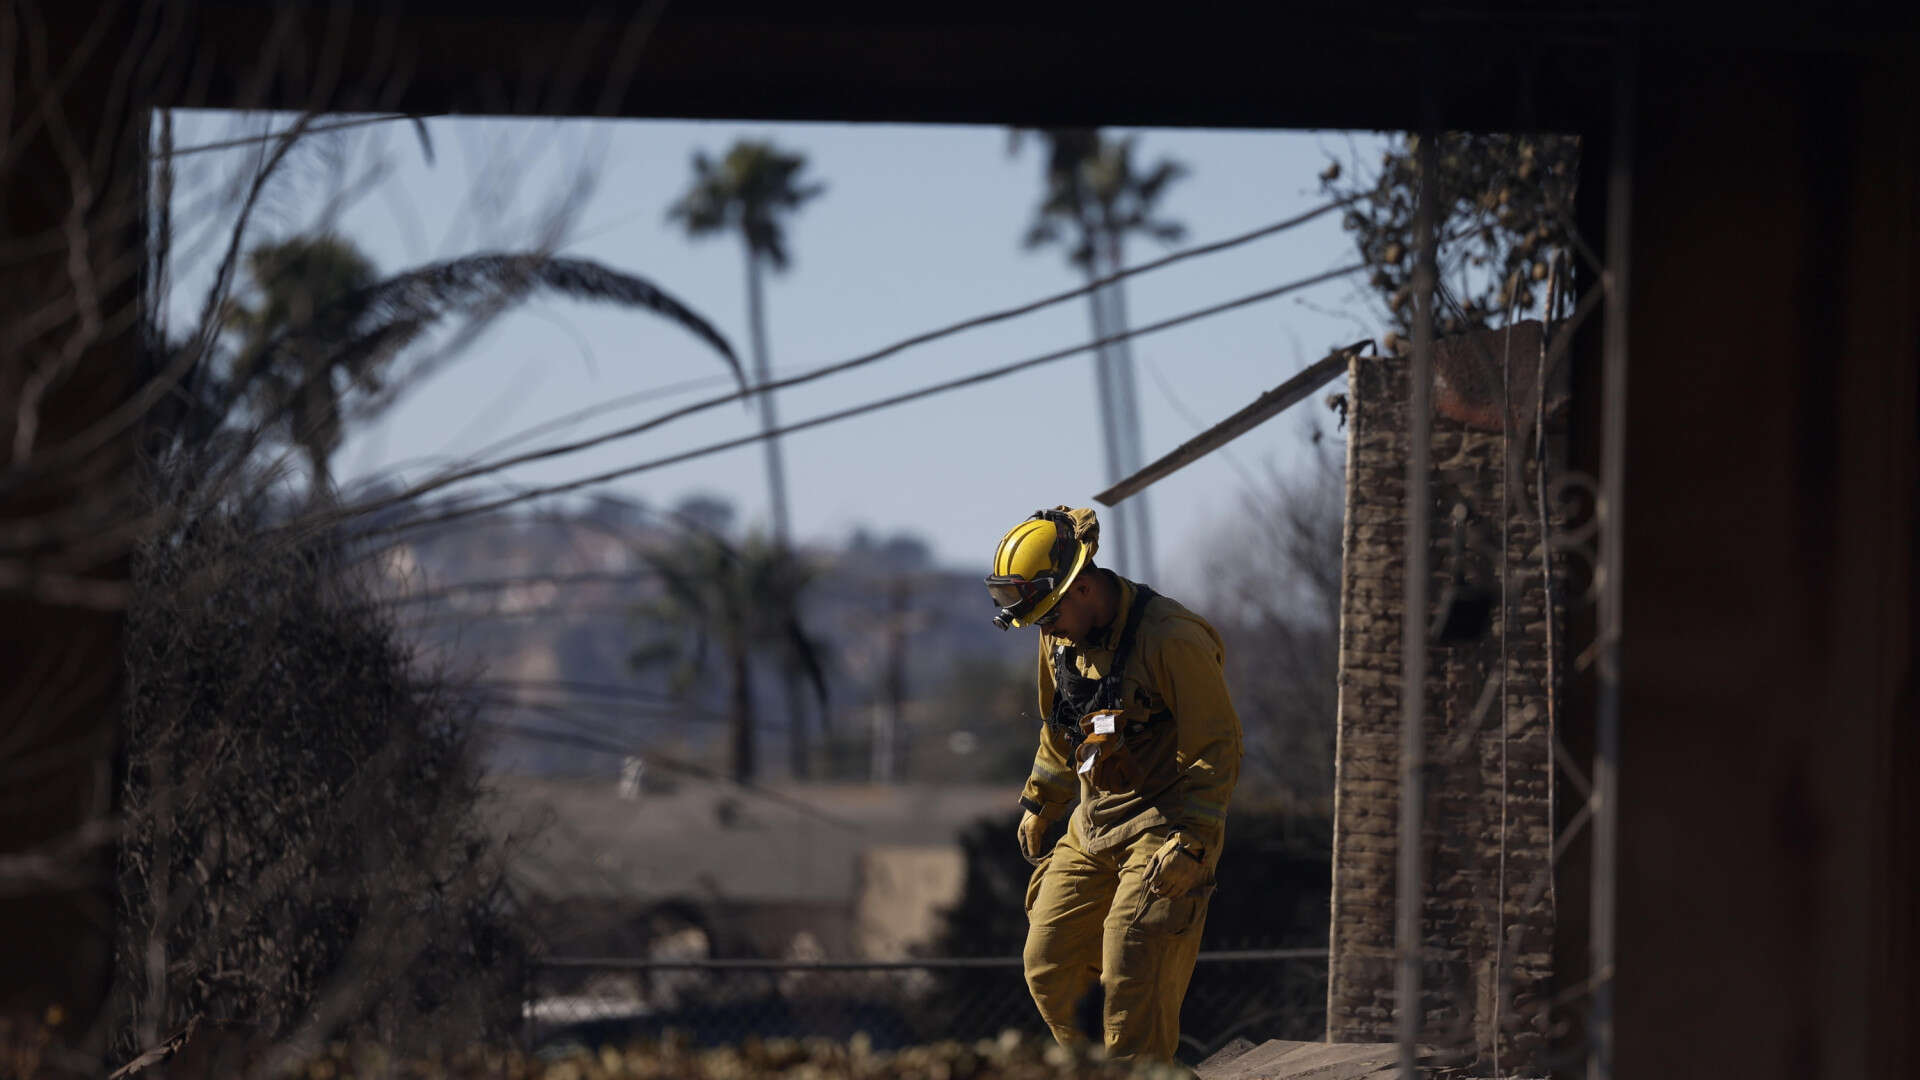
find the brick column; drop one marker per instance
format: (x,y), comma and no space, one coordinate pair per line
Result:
(1488,820)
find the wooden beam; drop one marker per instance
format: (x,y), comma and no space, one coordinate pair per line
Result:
(1264,407)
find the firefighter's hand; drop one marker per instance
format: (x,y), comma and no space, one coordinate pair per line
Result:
(1033,835)
(1174,870)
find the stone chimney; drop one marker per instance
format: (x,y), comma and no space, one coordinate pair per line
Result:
(1487,895)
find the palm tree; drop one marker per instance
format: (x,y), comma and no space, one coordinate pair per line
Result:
(312,282)
(317,312)
(752,191)
(739,601)
(1093,200)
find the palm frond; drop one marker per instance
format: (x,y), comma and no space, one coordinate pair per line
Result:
(765,240)
(682,581)
(794,198)
(808,655)
(426,140)
(704,208)
(749,189)
(656,653)
(1167,232)
(394,312)
(1150,187)
(1091,186)
(1041,233)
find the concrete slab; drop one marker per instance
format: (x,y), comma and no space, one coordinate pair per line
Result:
(1240,1045)
(1278,1059)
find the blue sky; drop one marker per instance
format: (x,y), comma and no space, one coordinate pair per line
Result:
(919,226)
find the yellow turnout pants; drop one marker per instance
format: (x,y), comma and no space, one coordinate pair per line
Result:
(1090,916)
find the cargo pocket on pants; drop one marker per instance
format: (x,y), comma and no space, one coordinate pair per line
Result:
(1172,916)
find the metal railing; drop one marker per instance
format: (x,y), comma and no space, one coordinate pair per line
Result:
(1256,994)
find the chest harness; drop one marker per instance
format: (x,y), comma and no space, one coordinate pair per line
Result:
(1075,695)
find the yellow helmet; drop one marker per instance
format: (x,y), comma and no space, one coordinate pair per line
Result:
(1036,562)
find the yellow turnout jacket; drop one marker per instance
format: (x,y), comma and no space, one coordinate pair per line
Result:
(1187,736)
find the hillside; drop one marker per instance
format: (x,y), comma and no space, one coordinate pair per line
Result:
(541,613)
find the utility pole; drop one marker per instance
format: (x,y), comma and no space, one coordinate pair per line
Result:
(1111,428)
(890,713)
(1137,540)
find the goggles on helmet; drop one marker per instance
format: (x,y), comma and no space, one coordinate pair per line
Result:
(1017,592)
(1017,596)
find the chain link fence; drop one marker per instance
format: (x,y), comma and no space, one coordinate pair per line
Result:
(1256,994)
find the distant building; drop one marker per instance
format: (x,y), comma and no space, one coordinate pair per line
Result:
(845,871)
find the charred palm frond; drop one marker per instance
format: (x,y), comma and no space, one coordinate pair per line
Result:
(397,311)
(291,371)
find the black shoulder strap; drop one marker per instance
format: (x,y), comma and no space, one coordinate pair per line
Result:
(1074,696)
(1123,651)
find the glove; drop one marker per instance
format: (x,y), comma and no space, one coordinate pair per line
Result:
(1032,835)
(1175,869)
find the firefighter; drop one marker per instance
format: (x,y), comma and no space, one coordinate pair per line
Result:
(1141,743)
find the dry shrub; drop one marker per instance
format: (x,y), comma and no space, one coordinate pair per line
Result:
(302,854)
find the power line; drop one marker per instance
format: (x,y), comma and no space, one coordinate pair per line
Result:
(468,618)
(859,410)
(562,449)
(638,397)
(624,577)
(633,694)
(588,689)
(606,722)
(581,711)
(250,140)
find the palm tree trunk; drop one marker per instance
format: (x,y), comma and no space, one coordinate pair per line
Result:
(762,373)
(741,719)
(776,492)
(1127,403)
(900,595)
(320,484)
(798,739)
